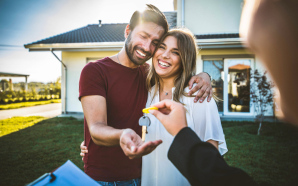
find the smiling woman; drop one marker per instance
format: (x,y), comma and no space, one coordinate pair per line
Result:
(174,63)
(167,61)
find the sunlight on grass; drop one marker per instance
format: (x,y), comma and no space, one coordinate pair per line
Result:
(14,124)
(28,104)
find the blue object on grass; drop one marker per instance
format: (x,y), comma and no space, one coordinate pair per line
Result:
(67,174)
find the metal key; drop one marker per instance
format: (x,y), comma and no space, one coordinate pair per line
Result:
(145,122)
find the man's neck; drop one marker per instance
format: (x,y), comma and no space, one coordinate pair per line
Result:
(123,59)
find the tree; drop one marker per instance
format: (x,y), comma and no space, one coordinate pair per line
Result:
(261,95)
(58,87)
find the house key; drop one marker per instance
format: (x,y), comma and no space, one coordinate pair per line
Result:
(145,122)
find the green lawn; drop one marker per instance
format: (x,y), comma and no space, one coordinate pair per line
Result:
(270,157)
(27,104)
(31,152)
(14,124)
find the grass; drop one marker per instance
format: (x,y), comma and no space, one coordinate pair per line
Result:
(270,157)
(27,154)
(14,124)
(27,104)
(31,152)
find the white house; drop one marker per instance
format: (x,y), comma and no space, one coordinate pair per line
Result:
(215,24)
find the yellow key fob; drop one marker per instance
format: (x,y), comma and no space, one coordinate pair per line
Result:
(146,110)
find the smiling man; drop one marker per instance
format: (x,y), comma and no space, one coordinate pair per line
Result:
(113,93)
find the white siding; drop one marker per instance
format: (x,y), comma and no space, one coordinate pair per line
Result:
(75,62)
(211,16)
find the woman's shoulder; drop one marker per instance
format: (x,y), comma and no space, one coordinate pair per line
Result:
(152,89)
(151,92)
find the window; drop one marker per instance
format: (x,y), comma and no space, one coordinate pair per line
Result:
(231,83)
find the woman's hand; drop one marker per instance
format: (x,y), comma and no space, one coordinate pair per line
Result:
(84,150)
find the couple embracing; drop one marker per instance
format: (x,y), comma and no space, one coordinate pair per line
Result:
(114,90)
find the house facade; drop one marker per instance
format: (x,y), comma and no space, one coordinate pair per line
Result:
(222,54)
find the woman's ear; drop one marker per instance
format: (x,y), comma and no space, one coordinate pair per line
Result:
(127,31)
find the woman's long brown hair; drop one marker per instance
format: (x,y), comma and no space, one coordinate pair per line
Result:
(188,53)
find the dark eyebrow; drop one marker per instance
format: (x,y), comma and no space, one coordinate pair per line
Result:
(148,35)
(176,49)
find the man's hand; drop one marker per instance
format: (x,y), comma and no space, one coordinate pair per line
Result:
(203,84)
(133,146)
(171,114)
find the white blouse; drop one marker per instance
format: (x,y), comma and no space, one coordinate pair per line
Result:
(203,118)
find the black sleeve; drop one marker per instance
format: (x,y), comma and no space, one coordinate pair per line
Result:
(201,163)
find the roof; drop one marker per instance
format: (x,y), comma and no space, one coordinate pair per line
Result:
(171,18)
(97,33)
(111,37)
(89,34)
(218,36)
(7,74)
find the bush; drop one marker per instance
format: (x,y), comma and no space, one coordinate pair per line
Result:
(261,95)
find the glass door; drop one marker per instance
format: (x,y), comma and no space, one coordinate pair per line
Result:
(237,87)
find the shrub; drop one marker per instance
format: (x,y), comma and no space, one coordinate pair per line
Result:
(261,95)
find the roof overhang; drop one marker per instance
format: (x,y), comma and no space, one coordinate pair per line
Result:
(100,46)
(7,74)
(224,43)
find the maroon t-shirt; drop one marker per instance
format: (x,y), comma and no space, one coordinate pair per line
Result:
(126,95)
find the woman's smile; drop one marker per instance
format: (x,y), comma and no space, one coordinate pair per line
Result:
(166,60)
(163,64)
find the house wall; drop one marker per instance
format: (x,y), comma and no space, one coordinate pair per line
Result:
(75,62)
(212,16)
(218,52)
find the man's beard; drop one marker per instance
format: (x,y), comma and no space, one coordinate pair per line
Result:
(130,52)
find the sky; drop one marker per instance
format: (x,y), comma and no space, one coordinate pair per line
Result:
(23,22)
